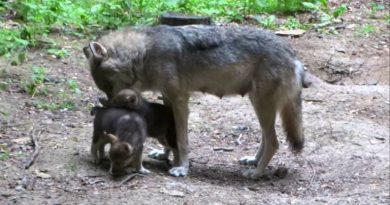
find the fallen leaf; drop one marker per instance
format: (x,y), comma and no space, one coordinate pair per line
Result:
(295,32)
(175,193)
(42,175)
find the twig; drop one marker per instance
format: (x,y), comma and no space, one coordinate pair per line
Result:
(36,150)
(312,100)
(15,125)
(238,140)
(331,130)
(128,178)
(311,178)
(225,149)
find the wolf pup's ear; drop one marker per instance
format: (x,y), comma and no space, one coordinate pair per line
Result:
(132,99)
(99,52)
(126,149)
(111,138)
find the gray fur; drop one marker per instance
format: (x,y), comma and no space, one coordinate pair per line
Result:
(217,60)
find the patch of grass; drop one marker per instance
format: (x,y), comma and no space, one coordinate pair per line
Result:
(12,40)
(267,22)
(38,17)
(292,23)
(4,153)
(58,53)
(73,87)
(365,30)
(374,8)
(52,96)
(51,106)
(36,82)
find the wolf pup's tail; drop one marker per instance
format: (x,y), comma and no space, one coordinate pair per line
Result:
(291,114)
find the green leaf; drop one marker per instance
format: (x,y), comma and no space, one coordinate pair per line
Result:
(339,11)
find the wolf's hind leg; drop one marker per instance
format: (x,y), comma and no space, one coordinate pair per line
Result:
(266,108)
(253,160)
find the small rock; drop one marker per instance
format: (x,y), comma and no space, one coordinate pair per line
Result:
(175,193)
(281,172)
(6,194)
(19,188)
(372,82)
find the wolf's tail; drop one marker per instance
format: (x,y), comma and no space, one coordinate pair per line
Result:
(291,113)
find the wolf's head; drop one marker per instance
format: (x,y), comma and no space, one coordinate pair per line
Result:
(114,60)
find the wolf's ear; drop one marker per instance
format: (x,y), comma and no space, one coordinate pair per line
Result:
(111,138)
(87,52)
(99,52)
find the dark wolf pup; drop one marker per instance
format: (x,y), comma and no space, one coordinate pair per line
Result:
(217,60)
(126,132)
(159,120)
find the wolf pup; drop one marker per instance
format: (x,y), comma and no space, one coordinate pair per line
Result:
(159,120)
(126,132)
(213,59)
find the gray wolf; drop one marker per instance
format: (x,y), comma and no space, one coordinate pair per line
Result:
(213,59)
(126,132)
(159,120)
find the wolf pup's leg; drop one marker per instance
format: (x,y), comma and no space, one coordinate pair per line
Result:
(179,104)
(137,164)
(266,109)
(94,148)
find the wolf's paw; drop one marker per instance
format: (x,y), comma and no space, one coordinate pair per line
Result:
(158,154)
(248,160)
(179,171)
(252,174)
(144,171)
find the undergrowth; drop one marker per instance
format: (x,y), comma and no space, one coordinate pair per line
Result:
(24,22)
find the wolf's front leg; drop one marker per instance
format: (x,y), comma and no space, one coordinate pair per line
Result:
(180,111)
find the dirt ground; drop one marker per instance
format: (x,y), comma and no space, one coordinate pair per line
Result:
(346,122)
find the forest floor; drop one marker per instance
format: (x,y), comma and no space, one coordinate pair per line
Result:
(346,126)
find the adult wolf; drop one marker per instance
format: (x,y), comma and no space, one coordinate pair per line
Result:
(217,60)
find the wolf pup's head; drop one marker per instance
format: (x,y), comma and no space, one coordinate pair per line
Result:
(114,60)
(120,155)
(127,98)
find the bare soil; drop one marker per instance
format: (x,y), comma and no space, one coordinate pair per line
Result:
(346,122)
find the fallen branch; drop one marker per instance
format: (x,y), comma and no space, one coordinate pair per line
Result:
(128,178)
(36,150)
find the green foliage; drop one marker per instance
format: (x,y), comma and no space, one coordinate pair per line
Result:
(36,82)
(73,87)
(11,40)
(58,53)
(374,8)
(4,153)
(292,23)
(339,11)
(39,17)
(365,30)
(47,105)
(268,22)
